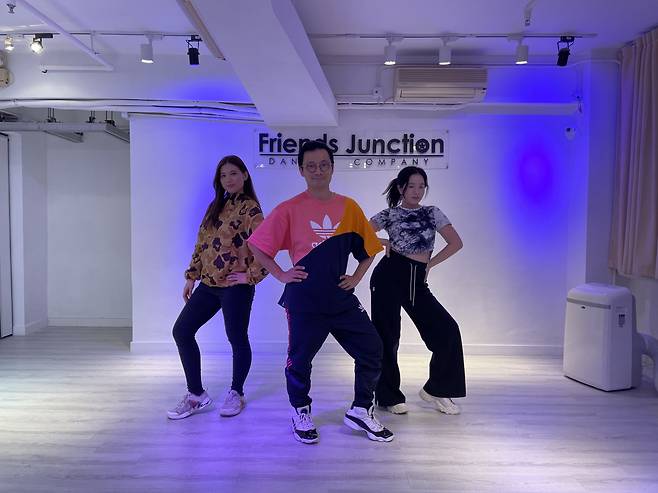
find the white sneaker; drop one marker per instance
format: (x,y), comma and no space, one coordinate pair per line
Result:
(190,404)
(362,419)
(303,428)
(400,408)
(233,404)
(443,404)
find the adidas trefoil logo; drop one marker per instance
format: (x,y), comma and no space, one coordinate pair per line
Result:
(326,230)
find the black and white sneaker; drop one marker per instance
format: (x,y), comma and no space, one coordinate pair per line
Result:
(362,419)
(303,428)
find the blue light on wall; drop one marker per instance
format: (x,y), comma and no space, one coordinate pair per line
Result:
(533,187)
(534,177)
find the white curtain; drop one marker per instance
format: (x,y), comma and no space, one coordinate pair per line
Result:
(634,234)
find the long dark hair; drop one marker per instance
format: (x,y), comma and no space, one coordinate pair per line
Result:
(393,195)
(221,195)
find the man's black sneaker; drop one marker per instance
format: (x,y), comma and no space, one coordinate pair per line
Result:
(362,419)
(303,428)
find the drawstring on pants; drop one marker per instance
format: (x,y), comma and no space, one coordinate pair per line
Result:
(412,283)
(395,267)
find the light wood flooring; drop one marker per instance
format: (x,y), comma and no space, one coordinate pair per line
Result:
(79,412)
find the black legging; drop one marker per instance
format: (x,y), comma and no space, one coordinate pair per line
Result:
(396,282)
(205,302)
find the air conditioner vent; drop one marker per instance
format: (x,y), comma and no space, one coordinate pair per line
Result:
(440,85)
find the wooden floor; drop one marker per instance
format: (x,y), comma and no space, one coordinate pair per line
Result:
(79,412)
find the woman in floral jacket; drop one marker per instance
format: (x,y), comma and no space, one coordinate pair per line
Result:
(228,273)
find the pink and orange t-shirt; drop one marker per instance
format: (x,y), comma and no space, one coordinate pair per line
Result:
(320,235)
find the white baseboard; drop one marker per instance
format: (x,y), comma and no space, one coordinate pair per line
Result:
(89,322)
(164,347)
(31,328)
(154,347)
(513,350)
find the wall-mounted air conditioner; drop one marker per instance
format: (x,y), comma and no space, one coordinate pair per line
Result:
(441,85)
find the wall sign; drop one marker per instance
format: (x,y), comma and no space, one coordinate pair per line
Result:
(357,150)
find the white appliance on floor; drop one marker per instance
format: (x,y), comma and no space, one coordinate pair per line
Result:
(598,336)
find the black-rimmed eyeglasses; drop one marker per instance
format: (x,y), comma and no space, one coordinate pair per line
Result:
(313,167)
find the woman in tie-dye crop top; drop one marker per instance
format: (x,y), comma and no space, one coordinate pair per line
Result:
(400,281)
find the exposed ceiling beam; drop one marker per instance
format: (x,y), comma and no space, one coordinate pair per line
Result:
(195,19)
(59,29)
(267,47)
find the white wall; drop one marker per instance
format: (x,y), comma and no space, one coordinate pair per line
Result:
(507,192)
(88,200)
(27,182)
(601,93)
(645,292)
(70,231)
(532,207)
(517,190)
(590,215)
(172,167)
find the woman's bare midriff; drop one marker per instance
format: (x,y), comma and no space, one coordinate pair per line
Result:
(418,257)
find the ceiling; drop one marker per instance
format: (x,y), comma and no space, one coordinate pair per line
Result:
(614,22)
(156,16)
(279,52)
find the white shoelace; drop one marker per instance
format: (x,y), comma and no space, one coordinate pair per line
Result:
(304,422)
(232,399)
(185,403)
(372,421)
(448,402)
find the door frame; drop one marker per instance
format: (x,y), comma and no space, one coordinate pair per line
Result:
(6,317)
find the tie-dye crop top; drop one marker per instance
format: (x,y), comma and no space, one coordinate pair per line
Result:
(411,231)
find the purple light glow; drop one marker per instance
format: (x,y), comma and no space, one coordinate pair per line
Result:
(534,176)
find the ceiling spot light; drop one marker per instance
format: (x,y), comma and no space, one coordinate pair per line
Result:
(564,50)
(9,44)
(390,53)
(36,45)
(146,51)
(37,42)
(521,53)
(193,51)
(445,53)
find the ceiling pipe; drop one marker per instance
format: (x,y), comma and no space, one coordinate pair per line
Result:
(196,116)
(568,108)
(456,36)
(68,131)
(60,30)
(183,108)
(186,112)
(75,68)
(137,114)
(246,108)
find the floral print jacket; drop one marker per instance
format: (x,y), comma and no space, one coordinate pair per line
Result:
(221,250)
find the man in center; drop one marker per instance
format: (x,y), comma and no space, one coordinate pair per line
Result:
(320,229)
